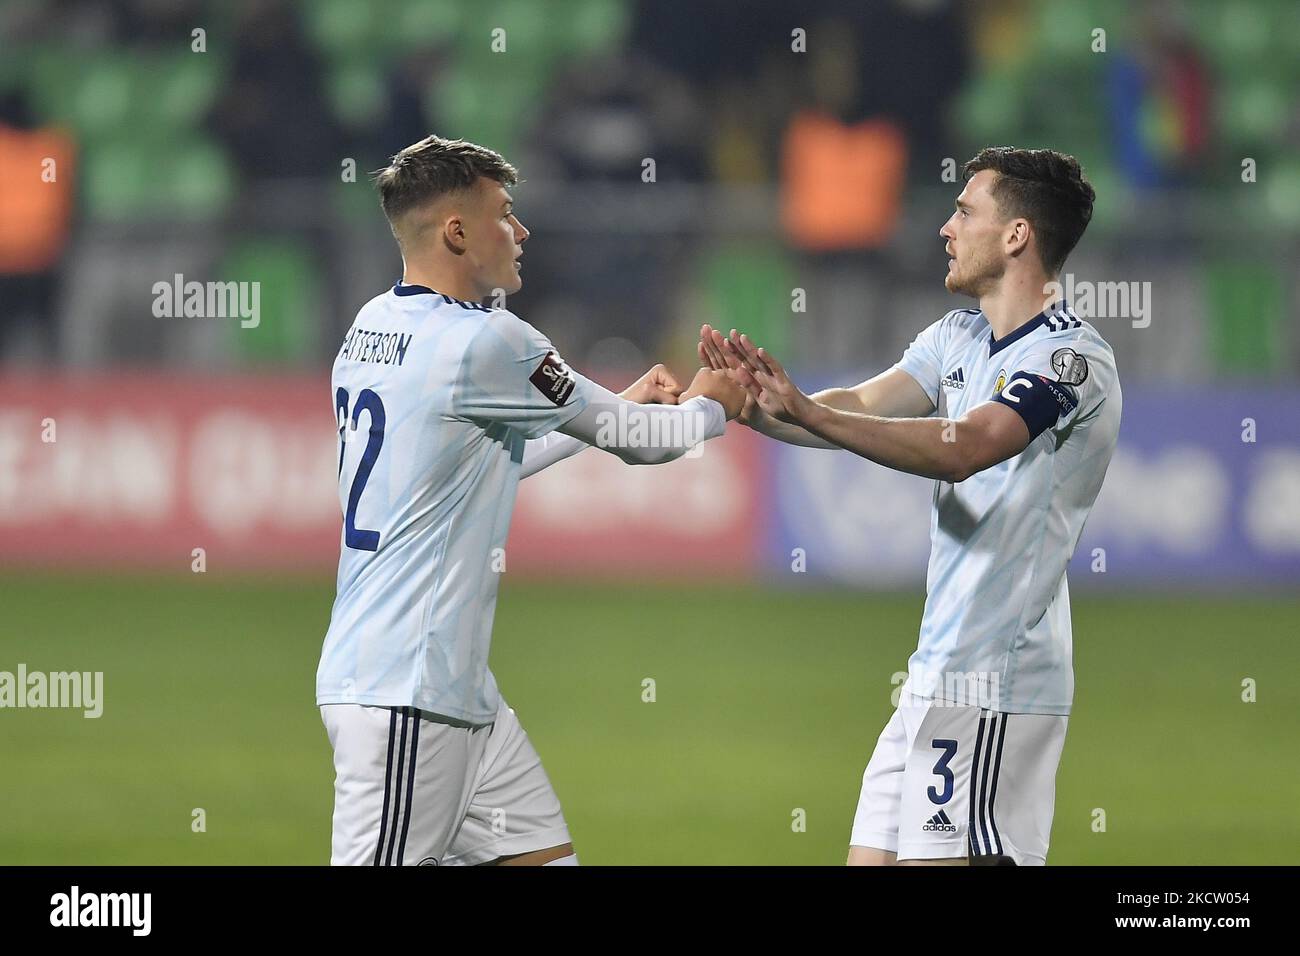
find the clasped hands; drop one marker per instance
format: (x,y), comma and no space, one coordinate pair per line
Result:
(742,377)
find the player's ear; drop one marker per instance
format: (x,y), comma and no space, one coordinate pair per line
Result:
(453,235)
(1017,237)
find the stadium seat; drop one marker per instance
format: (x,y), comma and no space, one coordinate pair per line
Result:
(1064,33)
(199,181)
(103,96)
(1235,34)
(117,181)
(1253,111)
(357,92)
(341,26)
(1282,193)
(183,87)
(596,26)
(1246,317)
(990,108)
(129,178)
(288,302)
(421,23)
(747,285)
(482,106)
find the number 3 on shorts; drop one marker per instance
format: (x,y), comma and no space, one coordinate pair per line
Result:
(949,748)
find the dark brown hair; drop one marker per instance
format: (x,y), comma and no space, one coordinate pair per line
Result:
(435,167)
(1045,187)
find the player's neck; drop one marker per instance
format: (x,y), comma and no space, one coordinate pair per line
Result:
(440,280)
(1015,301)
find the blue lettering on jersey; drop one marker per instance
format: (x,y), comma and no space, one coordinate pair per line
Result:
(381,348)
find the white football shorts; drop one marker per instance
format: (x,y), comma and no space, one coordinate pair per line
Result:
(411,788)
(949,781)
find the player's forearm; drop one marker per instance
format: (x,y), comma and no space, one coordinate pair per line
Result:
(647,434)
(540,453)
(930,447)
(841,398)
(787,432)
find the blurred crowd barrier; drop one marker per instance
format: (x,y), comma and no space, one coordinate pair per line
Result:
(237,474)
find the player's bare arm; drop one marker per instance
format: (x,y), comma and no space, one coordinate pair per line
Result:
(945,449)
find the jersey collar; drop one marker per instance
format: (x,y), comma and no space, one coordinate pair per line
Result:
(402,289)
(996,345)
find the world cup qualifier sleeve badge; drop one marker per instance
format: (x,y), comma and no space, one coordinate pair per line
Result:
(1070,367)
(553,379)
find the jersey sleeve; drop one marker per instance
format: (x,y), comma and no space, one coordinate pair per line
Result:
(512,375)
(923,359)
(1057,383)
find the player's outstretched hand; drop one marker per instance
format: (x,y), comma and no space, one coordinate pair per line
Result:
(766,382)
(655,387)
(719,386)
(716,353)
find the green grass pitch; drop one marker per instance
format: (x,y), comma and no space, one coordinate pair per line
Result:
(767,702)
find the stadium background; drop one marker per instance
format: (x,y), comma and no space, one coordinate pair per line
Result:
(770,594)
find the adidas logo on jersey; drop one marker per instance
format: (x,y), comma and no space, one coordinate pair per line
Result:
(954,379)
(941,823)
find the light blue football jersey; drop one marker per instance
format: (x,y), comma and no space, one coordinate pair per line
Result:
(996,626)
(434,399)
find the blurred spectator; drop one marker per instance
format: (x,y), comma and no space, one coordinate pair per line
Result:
(841,182)
(274,116)
(405,120)
(603,118)
(36,194)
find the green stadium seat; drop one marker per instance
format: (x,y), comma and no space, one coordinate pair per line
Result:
(184,87)
(748,285)
(53,80)
(289,299)
(117,181)
(1064,31)
(596,26)
(529,26)
(1282,192)
(420,23)
(990,107)
(1253,111)
(357,91)
(484,106)
(199,181)
(103,98)
(1246,317)
(1244,27)
(340,27)
(132,178)
(1236,34)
